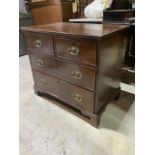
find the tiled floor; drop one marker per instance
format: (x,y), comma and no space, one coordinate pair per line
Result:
(46,129)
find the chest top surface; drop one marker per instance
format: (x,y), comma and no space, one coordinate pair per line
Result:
(78,29)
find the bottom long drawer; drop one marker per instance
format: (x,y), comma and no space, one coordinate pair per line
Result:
(65,91)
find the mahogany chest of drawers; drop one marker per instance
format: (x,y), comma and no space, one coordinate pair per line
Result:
(78,65)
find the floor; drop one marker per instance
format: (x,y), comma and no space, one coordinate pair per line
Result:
(46,129)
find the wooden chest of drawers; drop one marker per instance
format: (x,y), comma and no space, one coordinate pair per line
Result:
(78,65)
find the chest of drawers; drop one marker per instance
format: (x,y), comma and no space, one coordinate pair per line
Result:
(78,65)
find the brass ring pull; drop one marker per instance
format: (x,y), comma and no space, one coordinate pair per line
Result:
(77,75)
(38,43)
(74,51)
(77,97)
(40,62)
(43,82)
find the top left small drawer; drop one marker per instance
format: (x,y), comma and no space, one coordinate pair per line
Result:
(41,43)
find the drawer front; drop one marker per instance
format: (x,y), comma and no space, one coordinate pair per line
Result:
(39,42)
(78,51)
(64,91)
(74,73)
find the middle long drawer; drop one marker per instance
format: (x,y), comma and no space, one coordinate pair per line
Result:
(76,74)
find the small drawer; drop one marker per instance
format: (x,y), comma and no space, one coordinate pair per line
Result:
(65,91)
(83,51)
(40,42)
(77,74)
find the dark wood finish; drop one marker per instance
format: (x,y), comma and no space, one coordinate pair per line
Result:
(111,57)
(24,20)
(40,43)
(65,91)
(103,48)
(94,32)
(50,11)
(91,118)
(77,74)
(87,50)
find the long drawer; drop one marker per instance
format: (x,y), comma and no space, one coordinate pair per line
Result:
(65,91)
(79,75)
(83,52)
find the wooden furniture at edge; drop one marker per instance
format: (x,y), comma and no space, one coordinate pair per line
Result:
(78,65)
(50,11)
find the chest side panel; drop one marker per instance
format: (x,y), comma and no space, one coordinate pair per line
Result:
(111,56)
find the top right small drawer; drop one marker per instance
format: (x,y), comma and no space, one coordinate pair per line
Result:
(78,51)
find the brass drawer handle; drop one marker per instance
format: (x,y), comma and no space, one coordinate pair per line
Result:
(77,75)
(77,97)
(74,51)
(43,82)
(40,62)
(38,43)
